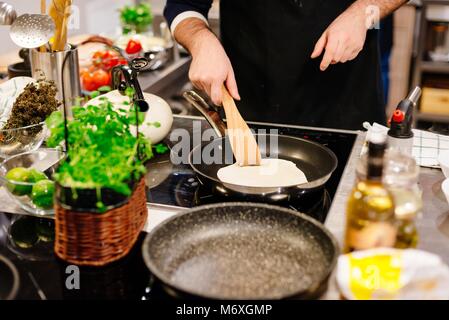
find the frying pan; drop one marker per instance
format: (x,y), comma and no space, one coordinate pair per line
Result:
(241,251)
(315,160)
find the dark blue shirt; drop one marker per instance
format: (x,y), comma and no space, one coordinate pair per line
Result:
(175,7)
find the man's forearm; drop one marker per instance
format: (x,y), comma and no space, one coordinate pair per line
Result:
(191,32)
(383,7)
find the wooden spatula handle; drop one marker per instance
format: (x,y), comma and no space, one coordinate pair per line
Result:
(244,145)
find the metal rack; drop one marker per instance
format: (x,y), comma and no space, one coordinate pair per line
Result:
(420,64)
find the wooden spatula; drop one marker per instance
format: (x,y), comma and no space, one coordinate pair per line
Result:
(244,145)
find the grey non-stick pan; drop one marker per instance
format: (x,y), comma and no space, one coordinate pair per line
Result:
(241,251)
(315,160)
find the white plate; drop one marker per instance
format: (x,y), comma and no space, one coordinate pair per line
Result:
(159,112)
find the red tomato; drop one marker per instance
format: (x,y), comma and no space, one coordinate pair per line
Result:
(134,46)
(102,78)
(93,80)
(88,81)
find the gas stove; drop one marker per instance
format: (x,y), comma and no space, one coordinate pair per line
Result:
(28,241)
(180,186)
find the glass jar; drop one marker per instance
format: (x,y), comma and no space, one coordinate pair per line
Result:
(438,41)
(400,177)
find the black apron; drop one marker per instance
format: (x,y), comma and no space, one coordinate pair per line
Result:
(269,43)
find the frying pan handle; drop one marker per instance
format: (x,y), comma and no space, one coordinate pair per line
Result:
(212,116)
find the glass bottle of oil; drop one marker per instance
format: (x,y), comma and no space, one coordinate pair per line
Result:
(401,179)
(370,220)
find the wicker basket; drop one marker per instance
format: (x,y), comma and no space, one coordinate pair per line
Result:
(96,239)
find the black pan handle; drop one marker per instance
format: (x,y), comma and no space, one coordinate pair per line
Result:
(211,115)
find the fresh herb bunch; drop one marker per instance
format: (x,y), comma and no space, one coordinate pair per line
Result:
(137,18)
(102,151)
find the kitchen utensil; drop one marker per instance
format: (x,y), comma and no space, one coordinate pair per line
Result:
(7,14)
(60,13)
(400,135)
(32,30)
(316,161)
(241,251)
(9,279)
(159,112)
(244,146)
(43,11)
(51,66)
(42,158)
(125,76)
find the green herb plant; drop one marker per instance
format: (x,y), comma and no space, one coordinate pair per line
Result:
(136,18)
(102,151)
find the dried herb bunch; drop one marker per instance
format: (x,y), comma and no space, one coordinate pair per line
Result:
(33,106)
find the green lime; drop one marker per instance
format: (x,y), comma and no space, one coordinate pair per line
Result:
(36,175)
(23,233)
(45,229)
(18,174)
(42,193)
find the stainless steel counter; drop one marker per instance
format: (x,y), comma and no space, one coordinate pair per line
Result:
(433,225)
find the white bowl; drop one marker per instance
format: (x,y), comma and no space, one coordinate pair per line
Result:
(159,112)
(443,159)
(445,188)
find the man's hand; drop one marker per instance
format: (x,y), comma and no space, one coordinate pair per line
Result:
(343,40)
(210,66)
(345,37)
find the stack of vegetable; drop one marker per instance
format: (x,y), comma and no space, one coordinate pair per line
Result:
(98,75)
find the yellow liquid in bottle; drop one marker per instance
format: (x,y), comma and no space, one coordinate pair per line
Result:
(370,218)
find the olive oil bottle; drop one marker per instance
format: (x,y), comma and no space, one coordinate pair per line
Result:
(370,212)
